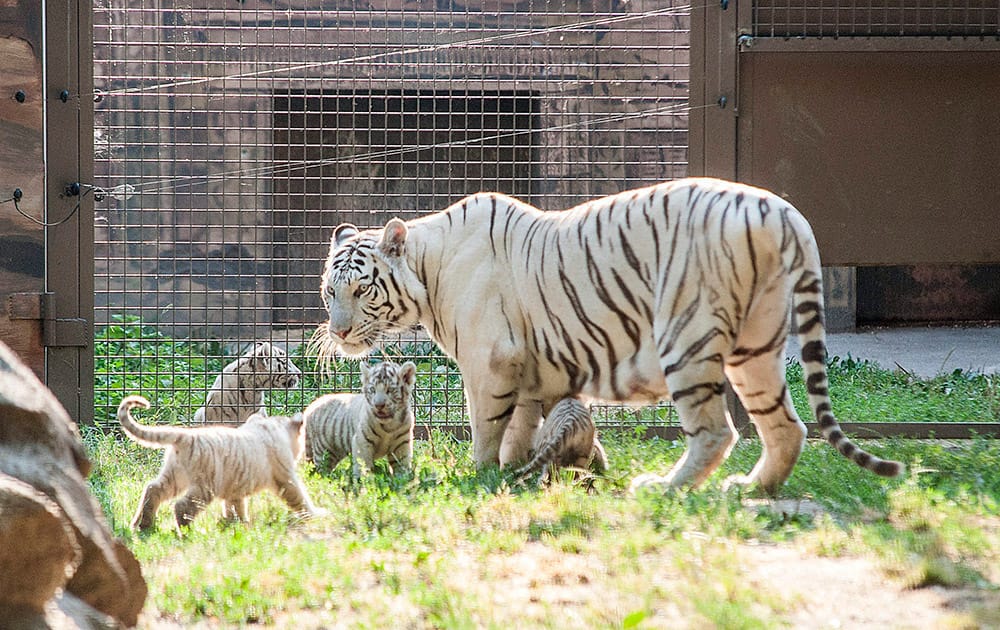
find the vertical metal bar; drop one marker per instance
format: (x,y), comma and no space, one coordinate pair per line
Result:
(713,91)
(69,245)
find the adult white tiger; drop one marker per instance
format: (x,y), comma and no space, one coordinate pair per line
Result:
(656,292)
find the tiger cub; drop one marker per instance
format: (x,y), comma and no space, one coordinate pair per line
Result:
(376,423)
(229,463)
(567,437)
(238,392)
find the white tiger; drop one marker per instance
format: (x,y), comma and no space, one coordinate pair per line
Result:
(567,437)
(375,423)
(663,291)
(238,392)
(229,463)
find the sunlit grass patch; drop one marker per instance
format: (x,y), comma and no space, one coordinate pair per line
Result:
(453,546)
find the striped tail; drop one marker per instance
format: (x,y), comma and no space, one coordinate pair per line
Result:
(544,456)
(811,331)
(153,437)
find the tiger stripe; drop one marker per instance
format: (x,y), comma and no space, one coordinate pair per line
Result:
(567,437)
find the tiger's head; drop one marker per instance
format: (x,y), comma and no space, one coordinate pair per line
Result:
(265,366)
(368,289)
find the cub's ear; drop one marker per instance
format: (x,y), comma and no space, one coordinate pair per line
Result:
(343,232)
(365,368)
(393,238)
(408,372)
(297,421)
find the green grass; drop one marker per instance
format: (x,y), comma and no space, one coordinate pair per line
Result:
(863,392)
(453,547)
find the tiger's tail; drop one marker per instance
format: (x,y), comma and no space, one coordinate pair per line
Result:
(810,328)
(153,437)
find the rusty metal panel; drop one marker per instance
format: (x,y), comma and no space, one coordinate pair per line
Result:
(892,156)
(928,294)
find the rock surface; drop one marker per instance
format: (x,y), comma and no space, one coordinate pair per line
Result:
(62,566)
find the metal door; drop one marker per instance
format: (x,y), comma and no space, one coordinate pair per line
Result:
(878,122)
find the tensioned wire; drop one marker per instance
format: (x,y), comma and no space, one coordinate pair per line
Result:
(490,39)
(174,183)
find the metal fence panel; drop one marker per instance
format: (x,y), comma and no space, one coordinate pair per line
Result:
(231,138)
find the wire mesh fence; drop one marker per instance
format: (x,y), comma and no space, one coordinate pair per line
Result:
(876,18)
(231,138)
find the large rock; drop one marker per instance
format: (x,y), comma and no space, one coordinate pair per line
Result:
(61,565)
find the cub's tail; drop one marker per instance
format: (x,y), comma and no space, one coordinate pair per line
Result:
(569,420)
(546,454)
(153,437)
(811,331)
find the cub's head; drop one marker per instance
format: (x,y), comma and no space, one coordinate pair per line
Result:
(368,288)
(265,366)
(388,387)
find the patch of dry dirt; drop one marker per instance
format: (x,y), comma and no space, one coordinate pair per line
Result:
(526,587)
(853,592)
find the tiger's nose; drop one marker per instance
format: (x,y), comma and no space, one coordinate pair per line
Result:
(341,333)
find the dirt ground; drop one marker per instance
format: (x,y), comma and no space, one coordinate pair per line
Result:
(841,593)
(526,586)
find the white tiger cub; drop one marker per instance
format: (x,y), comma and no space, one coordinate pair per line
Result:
(663,291)
(238,392)
(229,463)
(567,437)
(375,423)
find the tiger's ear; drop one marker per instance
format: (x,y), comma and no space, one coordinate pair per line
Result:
(408,372)
(343,232)
(365,368)
(393,238)
(297,421)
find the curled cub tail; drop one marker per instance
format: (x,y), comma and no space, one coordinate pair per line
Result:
(811,331)
(153,437)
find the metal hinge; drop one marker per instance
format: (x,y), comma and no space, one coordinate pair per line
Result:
(56,332)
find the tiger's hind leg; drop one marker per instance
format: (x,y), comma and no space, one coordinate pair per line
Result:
(756,370)
(760,384)
(191,504)
(696,381)
(235,509)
